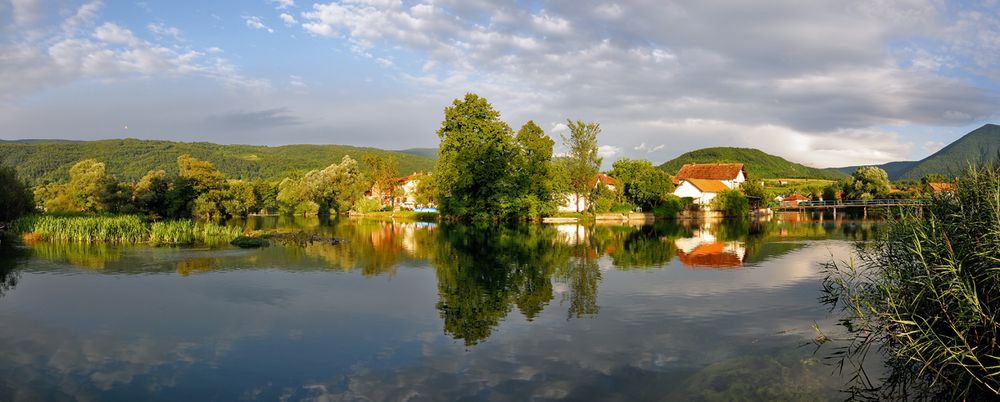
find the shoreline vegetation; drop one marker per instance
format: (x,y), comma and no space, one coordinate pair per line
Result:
(121,229)
(925,297)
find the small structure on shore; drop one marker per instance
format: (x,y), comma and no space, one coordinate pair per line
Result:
(792,200)
(702,181)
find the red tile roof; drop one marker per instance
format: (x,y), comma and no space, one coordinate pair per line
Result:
(795,197)
(710,171)
(607,180)
(942,186)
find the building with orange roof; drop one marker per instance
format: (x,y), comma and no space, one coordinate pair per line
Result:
(574,204)
(703,181)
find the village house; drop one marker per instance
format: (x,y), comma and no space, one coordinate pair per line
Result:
(703,181)
(573,204)
(793,200)
(402,195)
(939,187)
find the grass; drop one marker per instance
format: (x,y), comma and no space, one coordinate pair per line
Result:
(926,296)
(121,229)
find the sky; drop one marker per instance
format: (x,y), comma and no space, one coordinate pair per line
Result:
(824,83)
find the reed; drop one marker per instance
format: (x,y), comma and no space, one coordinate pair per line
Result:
(122,229)
(926,296)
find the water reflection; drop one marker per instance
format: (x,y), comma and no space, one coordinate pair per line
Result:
(423,311)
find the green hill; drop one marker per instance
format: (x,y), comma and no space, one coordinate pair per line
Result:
(758,163)
(129,159)
(425,152)
(980,146)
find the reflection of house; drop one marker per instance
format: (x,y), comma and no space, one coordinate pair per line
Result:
(704,250)
(702,181)
(793,200)
(573,204)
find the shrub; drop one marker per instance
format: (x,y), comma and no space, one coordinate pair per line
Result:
(731,203)
(15,196)
(250,242)
(366,205)
(622,208)
(671,206)
(927,296)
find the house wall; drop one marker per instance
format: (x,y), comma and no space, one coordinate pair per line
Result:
(735,182)
(570,202)
(686,189)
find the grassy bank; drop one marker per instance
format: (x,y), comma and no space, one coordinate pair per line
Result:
(121,229)
(926,296)
(409,215)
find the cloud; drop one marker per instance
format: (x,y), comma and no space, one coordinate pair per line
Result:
(608,151)
(82,48)
(257,23)
(769,65)
(288,19)
(644,148)
(253,120)
(163,30)
(282,4)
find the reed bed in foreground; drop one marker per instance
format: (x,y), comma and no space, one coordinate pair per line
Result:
(122,229)
(926,297)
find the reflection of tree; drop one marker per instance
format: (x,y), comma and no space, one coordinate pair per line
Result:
(92,257)
(10,258)
(646,246)
(483,272)
(581,275)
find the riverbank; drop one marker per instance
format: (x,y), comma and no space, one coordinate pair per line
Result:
(120,229)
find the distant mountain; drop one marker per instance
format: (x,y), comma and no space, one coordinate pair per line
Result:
(758,163)
(129,159)
(425,152)
(977,147)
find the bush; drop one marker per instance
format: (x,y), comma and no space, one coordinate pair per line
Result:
(366,205)
(927,295)
(16,198)
(250,242)
(731,203)
(671,206)
(621,208)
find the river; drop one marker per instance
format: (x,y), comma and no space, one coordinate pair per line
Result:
(424,311)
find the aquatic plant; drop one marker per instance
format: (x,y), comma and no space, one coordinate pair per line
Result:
(926,295)
(121,229)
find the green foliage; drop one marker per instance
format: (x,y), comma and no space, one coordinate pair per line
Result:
(757,162)
(87,190)
(366,205)
(582,160)
(602,199)
(927,294)
(121,229)
(381,172)
(640,183)
(130,159)
(250,242)
(336,187)
(16,198)
(867,183)
(830,192)
(732,203)
(671,206)
(478,167)
(621,208)
(427,191)
(756,194)
(536,165)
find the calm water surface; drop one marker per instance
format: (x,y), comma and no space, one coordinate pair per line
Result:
(417,311)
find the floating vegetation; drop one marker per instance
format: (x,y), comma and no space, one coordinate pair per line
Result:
(121,229)
(250,242)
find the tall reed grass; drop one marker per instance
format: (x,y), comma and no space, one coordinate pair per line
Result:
(926,297)
(122,229)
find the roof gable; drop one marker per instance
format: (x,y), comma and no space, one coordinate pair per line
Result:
(710,171)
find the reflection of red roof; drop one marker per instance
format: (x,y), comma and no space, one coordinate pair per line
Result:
(795,197)
(942,186)
(713,255)
(603,178)
(710,171)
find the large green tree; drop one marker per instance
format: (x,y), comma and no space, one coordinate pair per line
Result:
(641,183)
(583,160)
(15,196)
(536,167)
(867,182)
(336,187)
(476,170)
(87,190)
(382,170)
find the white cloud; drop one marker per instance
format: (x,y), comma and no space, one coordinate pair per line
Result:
(282,4)
(76,51)
(27,11)
(163,30)
(255,22)
(608,151)
(288,19)
(296,81)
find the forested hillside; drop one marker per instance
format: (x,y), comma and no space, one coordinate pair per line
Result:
(758,163)
(130,159)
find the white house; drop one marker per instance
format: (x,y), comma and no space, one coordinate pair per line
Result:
(573,204)
(702,181)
